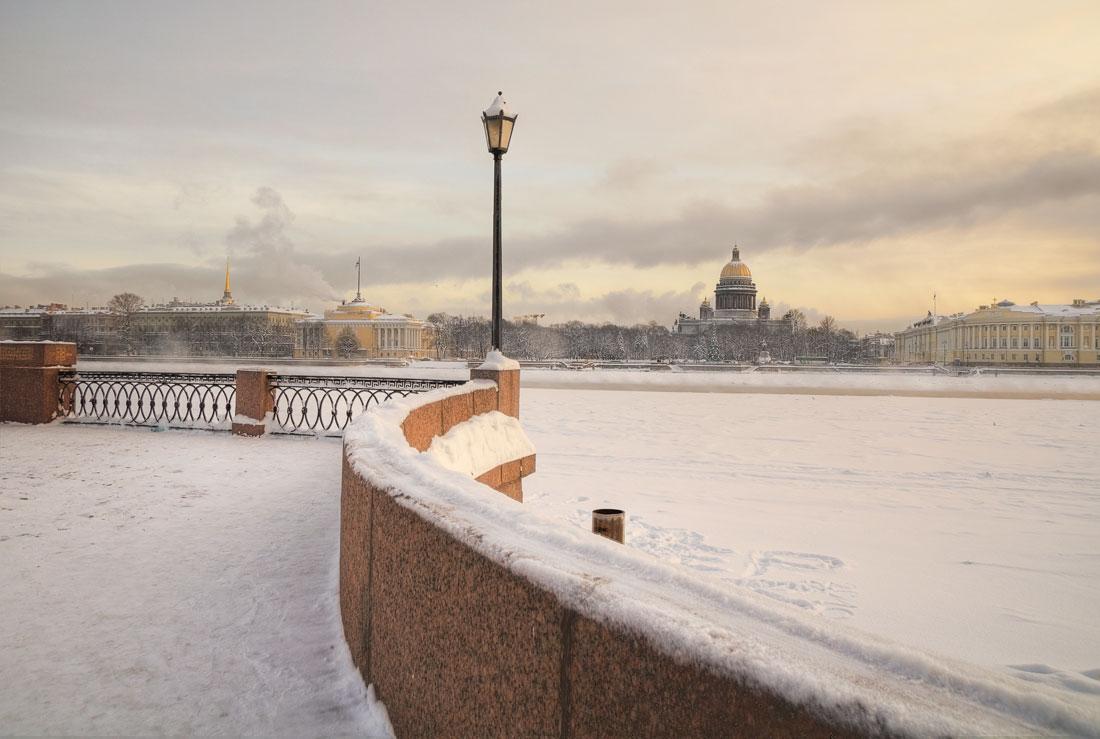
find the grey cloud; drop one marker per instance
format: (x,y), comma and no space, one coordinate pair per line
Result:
(1082,106)
(629,173)
(857,209)
(628,306)
(50,282)
(266,268)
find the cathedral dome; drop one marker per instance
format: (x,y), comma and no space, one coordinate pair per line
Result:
(735,267)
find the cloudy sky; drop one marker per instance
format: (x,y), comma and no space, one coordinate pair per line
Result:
(863,155)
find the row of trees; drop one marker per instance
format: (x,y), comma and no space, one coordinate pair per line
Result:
(125,331)
(468,337)
(234,334)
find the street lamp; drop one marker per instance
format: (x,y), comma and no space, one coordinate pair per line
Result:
(498,122)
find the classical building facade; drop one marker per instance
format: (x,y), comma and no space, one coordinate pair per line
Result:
(177,328)
(1006,334)
(734,303)
(357,329)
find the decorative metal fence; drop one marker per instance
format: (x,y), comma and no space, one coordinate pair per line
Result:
(302,403)
(321,404)
(148,398)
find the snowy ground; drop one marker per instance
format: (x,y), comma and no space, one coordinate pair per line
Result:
(967,527)
(172,583)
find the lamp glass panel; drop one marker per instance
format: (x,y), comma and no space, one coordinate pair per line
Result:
(492,132)
(506,132)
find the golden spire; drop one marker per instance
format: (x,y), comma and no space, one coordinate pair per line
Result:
(227,297)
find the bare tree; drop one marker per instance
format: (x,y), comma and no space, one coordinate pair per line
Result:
(123,306)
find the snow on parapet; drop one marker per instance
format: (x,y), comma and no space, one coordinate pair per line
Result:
(495,360)
(478,445)
(877,685)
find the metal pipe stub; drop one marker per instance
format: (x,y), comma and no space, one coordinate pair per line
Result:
(609,523)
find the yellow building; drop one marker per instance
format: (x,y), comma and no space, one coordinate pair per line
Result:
(1006,334)
(357,329)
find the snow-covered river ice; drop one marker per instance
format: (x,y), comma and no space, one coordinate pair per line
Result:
(967,527)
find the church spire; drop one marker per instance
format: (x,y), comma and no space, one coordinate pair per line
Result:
(227,296)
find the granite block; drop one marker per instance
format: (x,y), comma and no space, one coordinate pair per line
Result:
(527,465)
(491,478)
(37,354)
(355,528)
(29,394)
(484,401)
(455,410)
(621,686)
(513,490)
(460,646)
(422,425)
(509,471)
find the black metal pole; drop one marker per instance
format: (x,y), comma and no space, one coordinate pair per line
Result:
(496,252)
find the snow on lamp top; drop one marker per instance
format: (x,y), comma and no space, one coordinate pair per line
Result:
(499,121)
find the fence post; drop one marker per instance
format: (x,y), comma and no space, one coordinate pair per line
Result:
(254,402)
(507,381)
(29,387)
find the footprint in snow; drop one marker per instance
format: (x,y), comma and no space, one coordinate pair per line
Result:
(798,578)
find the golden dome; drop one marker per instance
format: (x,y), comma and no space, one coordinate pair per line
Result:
(736,268)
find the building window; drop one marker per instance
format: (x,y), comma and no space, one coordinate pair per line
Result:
(1067,341)
(1004,343)
(1015,343)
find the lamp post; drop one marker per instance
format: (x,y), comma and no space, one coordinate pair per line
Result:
(498,122)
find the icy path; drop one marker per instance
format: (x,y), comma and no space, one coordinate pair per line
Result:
(966,527)
(172,583)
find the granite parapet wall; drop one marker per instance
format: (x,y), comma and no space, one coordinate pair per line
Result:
(458,644)
(437,417)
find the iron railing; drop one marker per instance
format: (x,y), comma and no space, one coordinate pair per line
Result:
(147,398)
(302,403)
(318,404)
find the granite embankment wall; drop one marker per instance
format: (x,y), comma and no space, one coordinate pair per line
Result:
(458,643)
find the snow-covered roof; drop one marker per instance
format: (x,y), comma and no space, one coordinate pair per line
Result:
(215,308)
(22,311)
(1054,309)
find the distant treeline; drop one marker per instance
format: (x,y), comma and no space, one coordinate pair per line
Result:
(468,337)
